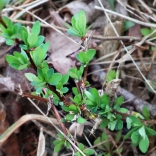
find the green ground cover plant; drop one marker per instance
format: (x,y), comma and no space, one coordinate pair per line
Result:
(87,103)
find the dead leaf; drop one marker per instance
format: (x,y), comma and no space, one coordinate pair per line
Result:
(76,128)
(94,16)
(18,77)
(6,84)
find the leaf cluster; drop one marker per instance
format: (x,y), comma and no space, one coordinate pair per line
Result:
(87,152)
(60,142)
(78,27)
(107,147)
(139,132)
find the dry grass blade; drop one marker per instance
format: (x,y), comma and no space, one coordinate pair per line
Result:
(41,143)
(126,17)
(21,121)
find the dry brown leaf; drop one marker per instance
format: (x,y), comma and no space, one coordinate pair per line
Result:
(135,31)
(60,49)
(76,128)
(6,84)
(94,16)
(18,77)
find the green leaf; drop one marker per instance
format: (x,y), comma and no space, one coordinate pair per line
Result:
(119,100)
(77,99)
(50,72)
(136,121)
(15,62)
(81,147)
(123,110)
(57,142)
(9,42)
(41,74)
(64,89)
(79,22)
(36,28)
(40,40)
(80,72)
(67,144)
(45,47)
(119,125)
(75,90)
(95,94)
(130,133)
(69,117)
(65,108)
(64,79)
(24,34)
(135,137)
(20,57)
(97,141)
(104,137)
(111,3)
(144,144)
(104,100)
(73,73)
(149,131)
(73,32)
(32,40)
(30,76)
(145,31)
(90,54)
(73,108)
(89,96)
(8,22)
(81,120)
(16,28)
(142,132)
(118,136)
(111,75)
(89,151)
(145,112)
(59,135)
(86,57)
(81,57)
(104,123)
(58,147)
(24,66)
(54,80)
(78,27)
(3,3)
(128,24)
(112,124)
